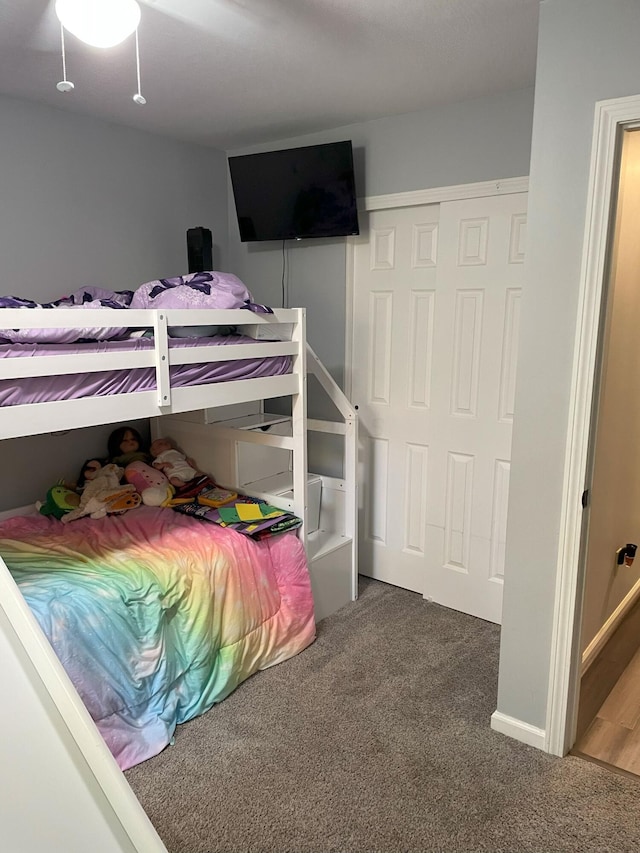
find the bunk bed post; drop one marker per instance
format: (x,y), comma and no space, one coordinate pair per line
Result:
(299,425)
(351,483)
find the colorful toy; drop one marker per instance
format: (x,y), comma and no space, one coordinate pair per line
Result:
(59,500)
(217,496)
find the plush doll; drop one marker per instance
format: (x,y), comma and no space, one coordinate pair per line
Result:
(125,445)
(174,465)
(103,494)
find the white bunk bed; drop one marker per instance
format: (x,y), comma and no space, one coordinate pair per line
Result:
(331,549)
(196,417)
(210,436)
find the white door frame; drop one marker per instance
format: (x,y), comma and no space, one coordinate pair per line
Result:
(413,198)
(611,117)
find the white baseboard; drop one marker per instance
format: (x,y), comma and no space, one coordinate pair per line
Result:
(600,640)
(518,730)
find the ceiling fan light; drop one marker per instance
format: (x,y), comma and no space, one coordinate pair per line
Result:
(100,23)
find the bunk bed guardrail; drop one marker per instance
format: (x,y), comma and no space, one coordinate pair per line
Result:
(34,418)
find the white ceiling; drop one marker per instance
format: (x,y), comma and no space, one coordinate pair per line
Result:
(231,73)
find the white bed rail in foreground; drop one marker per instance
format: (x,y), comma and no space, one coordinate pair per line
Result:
(78,760)
(37,418)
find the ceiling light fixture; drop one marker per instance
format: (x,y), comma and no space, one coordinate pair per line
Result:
(99,23)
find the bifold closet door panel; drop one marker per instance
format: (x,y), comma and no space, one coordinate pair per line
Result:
(436,311)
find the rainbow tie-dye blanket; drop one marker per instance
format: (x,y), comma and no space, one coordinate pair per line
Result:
(157,616)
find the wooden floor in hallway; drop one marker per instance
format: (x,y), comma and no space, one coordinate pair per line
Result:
(614,735)
(608,728)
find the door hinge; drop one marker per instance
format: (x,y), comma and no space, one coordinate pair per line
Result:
(585,498)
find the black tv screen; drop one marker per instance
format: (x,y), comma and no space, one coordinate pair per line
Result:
(295,193)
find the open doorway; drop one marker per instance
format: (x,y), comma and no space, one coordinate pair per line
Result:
(608,721)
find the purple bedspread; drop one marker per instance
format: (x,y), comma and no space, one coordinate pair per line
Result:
(195,290)
(14,392)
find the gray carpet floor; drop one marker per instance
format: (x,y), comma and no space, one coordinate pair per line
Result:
(377,738)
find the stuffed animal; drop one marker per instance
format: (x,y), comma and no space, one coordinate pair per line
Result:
(60,500)
(104,495)
(152,485)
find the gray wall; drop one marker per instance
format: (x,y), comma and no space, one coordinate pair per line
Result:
(454,144)
(87,202)
(32,465)
(588,51)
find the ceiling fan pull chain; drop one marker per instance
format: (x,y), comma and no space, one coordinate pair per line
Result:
(64,85)
(137,98)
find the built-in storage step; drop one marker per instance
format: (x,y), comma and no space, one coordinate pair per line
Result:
(330,558)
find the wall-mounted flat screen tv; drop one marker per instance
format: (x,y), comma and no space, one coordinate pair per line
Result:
(295,193)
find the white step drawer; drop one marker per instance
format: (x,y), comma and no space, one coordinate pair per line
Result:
(281,485)
(256,462)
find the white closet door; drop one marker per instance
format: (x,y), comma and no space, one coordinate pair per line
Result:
(394,298)
(436,309)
